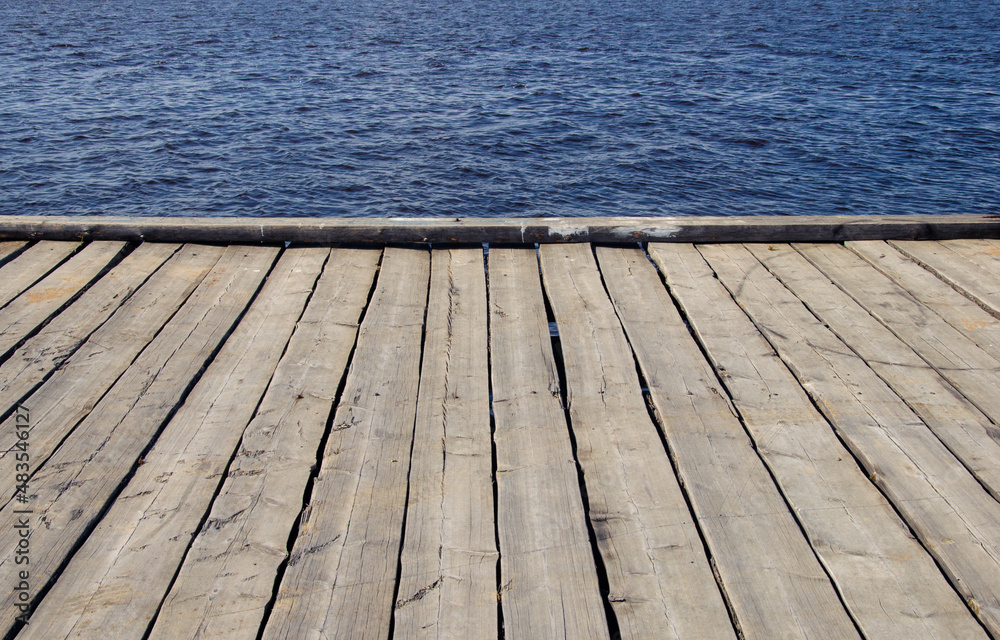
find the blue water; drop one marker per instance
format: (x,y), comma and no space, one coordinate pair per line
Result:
(499,107)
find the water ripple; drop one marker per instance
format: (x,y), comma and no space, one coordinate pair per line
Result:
(501,108)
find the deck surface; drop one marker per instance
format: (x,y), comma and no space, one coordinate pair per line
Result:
(757,441)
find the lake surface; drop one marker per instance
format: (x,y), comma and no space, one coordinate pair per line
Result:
(499,108)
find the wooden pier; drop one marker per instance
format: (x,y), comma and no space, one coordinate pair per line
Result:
(665,429)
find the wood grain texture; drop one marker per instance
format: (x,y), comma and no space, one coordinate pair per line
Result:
(117,580)
(71,490)
(26,312)
(448,578)
(31,363)
(967,277)
(341,575)
(510,230)
(31,266)
(883,328)
(954,517)
(79,383)
(889,583)
(549,580)
(661,583)
(228,575)
(773,581)
(10,249)
(963,314)
(985,253)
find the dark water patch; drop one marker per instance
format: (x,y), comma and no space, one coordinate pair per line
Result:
(473,108)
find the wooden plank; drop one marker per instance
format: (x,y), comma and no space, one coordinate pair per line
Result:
(30,364)
(957,521)
(661,583)
(115,583)
(967,277)
(773,581)
(509,230)
(889,583)
(548,577)
(228,575)
(26,312)
(78,481)
(919,375)
(8,249)
(31,266)
(984,253)
(80,382)
(966,316)
(341,575)
(448,578)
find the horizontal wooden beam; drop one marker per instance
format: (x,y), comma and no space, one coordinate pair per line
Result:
(503,231)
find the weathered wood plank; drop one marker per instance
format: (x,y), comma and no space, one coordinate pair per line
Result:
(660,580)
(963,314)
(115,583)
(341,576)
(773,581)
(26,312)
(30,364)
(8,249)
(511,230)
(967,277)
(984,253)
(228,575)
(31,266)
(889,583)
(74,486)
(919,375)
(950,512)
(80,382)
(448,579)
(549,579)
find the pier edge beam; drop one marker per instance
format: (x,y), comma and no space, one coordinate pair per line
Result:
(368,230)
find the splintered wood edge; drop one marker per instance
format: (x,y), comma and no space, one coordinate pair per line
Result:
(711,229)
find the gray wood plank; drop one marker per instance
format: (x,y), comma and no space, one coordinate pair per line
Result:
(8,249)
(31,363)
(26,312)
(919,375)
(774,584)
(954,517)
(510,230)
(341,576)
(967,277)
(548,577)
(661,583)
(228,575)
(115,583)
(79,383)
(963,314)
(31,266)
(889,583)
(985,253)
(448,578)
(71,490)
